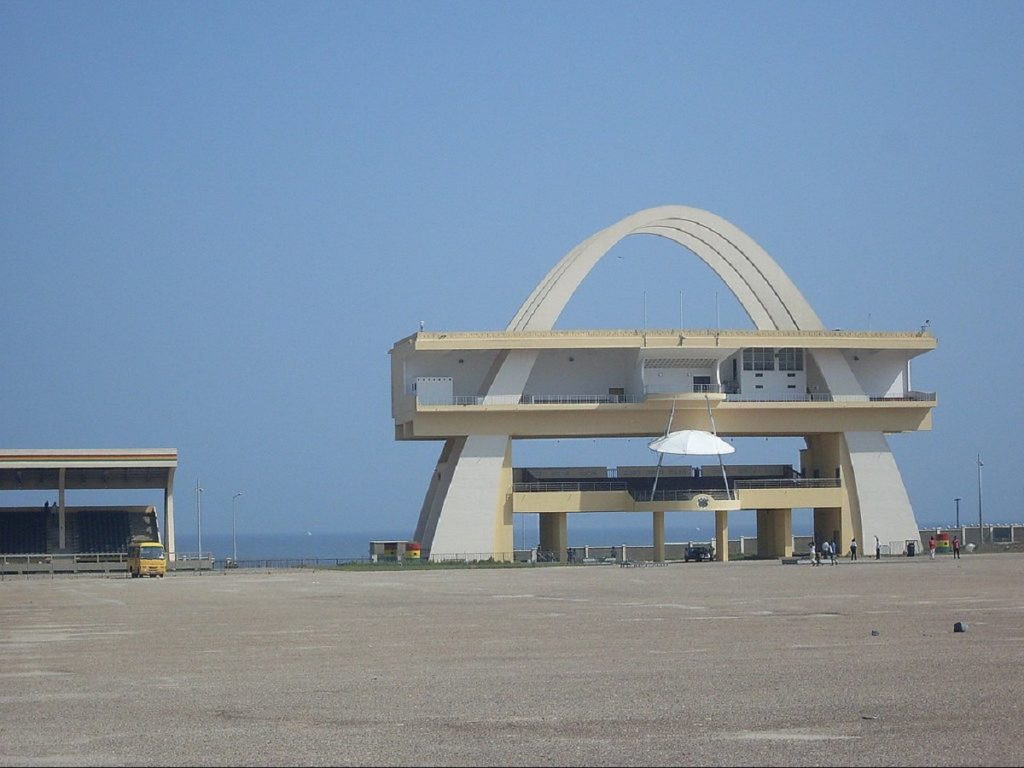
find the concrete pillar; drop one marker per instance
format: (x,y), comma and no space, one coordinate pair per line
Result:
(722,535)
(826,456)
(61,519)
(828,526)
(504,523)
(775,532)
(554,534)
(659,536)
(169,516)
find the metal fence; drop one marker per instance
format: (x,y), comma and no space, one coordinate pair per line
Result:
(92,562)
(795,482)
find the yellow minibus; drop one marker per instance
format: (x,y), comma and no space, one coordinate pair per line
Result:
(146,558)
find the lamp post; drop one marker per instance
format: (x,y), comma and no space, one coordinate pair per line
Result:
(234,541)
(957,500)
(199,518)
(981,530)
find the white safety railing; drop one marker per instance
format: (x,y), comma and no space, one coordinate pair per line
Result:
(811,397)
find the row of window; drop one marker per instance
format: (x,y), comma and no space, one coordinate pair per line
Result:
(767,358)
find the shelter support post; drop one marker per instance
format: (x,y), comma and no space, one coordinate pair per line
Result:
(169,516)
(722,535)
(61,518)
(659,536)
(554,534)
(775,532)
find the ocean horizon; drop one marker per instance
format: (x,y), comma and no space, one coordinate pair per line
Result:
(626,528)
(267,545)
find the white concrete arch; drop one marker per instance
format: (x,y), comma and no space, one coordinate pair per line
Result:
(768,296)
(469,473)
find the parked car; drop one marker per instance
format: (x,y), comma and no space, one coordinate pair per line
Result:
(698,552)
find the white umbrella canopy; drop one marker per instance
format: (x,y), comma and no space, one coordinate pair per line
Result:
(691,441)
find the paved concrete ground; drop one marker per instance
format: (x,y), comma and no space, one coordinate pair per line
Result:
(705,663)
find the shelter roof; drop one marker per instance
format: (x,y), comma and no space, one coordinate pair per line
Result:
(97,468)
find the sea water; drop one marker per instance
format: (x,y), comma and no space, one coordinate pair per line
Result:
(610,529)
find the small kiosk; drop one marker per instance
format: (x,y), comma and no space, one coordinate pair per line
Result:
(384,551)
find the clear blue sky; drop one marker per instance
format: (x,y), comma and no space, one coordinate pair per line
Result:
(216,218)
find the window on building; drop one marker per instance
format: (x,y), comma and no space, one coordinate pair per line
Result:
(759,359)
(791,359)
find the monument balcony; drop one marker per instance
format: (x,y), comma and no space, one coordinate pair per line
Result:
(566,415)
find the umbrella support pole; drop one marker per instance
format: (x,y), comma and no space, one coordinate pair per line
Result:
(657,472)
(721,464)
(725,479)
(661,456)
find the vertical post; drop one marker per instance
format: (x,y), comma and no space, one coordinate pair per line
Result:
(61,518)
(957,500)
(234,541)
(981,530)
(199,519)
(169,516)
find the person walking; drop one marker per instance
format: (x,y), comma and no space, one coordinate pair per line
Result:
(956,547)
(878,549)
(831,552)
(813,554)
(853,549)
(931,547)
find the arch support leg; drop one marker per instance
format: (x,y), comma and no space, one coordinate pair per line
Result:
(467,512)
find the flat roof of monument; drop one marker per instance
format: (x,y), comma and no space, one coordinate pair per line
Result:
(912,341)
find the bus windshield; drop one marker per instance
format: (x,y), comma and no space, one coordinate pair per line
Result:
(151,553)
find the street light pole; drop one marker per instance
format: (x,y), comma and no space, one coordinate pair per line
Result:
(234,541)
(957,500)
(199,518)
(981,531)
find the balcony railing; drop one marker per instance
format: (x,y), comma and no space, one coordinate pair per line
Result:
(813,397)
(795,482)
(570,487)
(826,397)
(687,494)
(532,400)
